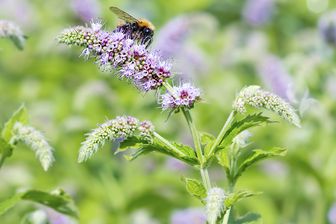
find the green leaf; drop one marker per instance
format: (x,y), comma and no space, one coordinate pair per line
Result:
(207,140)
(247,218)
(20,115)
(5,148)
(223,160)
(59,201)
(9,203)
(237,127)
(187,153)
(195,188)
(233,198)
(258,155)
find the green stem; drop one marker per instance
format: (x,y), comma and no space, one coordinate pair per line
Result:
(167,143)
(2,160)
(222,133)
(195,135)
(226,216)
(196,139)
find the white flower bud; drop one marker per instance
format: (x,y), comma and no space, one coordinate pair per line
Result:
(214,204)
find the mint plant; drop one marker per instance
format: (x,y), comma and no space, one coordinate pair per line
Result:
(16,131)
(133,62)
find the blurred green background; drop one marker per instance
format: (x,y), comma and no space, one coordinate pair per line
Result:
(220,46)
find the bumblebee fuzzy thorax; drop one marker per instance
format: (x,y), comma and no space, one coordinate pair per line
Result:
(146,23)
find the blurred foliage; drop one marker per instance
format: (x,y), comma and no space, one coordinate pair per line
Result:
(66,97)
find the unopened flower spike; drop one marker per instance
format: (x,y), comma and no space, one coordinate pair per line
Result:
(254,96)
(117,129)
(36,141)
(12,31)
(214,204)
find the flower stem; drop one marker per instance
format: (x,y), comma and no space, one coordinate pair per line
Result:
(222,132)
(198,147)
(2,160)
(226,216)
(196,139)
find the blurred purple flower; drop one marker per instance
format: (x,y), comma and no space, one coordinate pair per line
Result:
(327,27)
(332,214)
(275,168)
(258,12)
(86,9)
(20,11)
(276,78)
(171,37)
(58,218)
(175,165)
(189,216)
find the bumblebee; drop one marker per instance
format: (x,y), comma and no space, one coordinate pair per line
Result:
(138,29)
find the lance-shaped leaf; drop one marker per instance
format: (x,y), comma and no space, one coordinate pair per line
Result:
(233,198)
(21,116)
(237,127)
(258,155)
(176,150)
(58,200)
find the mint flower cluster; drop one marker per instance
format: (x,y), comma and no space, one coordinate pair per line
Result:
(134,62)
(184,96)
(114,50)
(254,96)
(116,130)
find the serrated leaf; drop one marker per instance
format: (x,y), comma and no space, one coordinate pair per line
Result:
(21,116)
(233,198)
(195,188)
(237,127)
(247,218)
(59,201)
(258,155)
(187,153)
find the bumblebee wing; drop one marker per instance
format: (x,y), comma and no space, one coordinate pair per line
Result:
(123,15)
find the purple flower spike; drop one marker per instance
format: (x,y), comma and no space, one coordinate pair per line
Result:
(183,96)
(114,50)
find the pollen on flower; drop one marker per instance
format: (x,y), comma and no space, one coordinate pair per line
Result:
(115,50)
(256,97)
(36,141)
(182,96)
(117,129)
(214,204)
